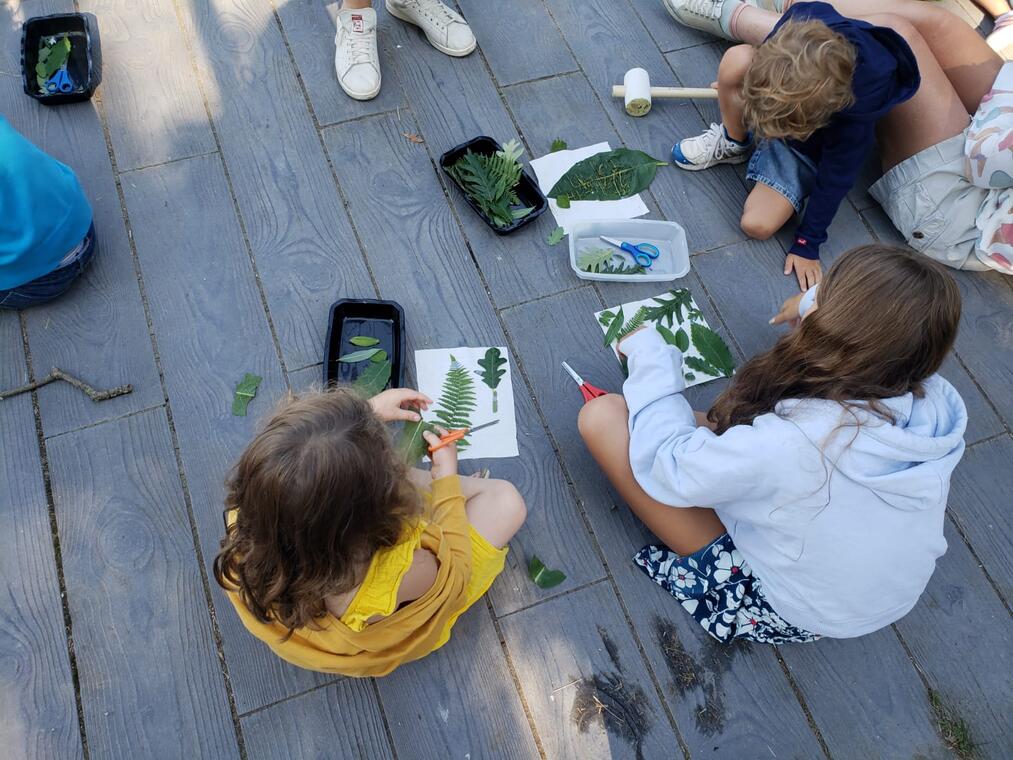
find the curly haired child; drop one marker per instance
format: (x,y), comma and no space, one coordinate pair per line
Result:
(340,557)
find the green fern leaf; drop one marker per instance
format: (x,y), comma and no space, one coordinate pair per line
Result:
(457,400)
(636,322)
(670,310)
(699,365)
(593,259)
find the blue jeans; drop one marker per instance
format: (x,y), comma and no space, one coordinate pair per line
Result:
(52,285)
(782,168)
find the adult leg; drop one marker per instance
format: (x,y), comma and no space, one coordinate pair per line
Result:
(603,425)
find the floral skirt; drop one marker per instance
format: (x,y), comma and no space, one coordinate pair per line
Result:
(717,587)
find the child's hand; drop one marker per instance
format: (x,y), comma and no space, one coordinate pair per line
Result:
(394,404)
(808,271)
(789,312)
(444,459)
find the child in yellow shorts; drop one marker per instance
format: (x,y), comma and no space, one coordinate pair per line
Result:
(340,557)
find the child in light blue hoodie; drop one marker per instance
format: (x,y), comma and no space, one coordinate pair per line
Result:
(810,500)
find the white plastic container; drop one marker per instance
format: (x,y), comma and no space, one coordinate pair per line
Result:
(670,238)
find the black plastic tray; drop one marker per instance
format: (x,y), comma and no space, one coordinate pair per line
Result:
(84,65)
(349,317)
(527,189)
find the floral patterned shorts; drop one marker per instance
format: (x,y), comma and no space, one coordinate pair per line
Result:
(717,587)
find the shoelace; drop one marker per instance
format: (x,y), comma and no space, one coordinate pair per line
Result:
(720,147)
(704,8)
(360,48)
(435,11)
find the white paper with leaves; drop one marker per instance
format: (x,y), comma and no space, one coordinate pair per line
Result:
(460,382)
(676,316)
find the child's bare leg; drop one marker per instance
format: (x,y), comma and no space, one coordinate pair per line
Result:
(603,425)
(731,72)
(765,212)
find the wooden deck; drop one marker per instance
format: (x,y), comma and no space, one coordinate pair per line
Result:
(237,193)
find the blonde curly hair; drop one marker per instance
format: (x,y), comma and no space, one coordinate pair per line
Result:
(798,79)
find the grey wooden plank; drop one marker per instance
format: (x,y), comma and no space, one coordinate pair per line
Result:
(98,329)
(882,227)
(708,204)
(340,720)
(306,378)
(979,503)
(725,700)
(149,91)
(206,343)
(459,701)
(866,697)
(36,689)
(518,39)
(698,67)
(985,341)
(420,260)
(961,638)
(746,311)
(149,673)
(666,31)
(584,680)
(305,250)
(309,30)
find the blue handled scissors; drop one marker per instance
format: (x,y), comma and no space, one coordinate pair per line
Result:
(643,253)
(60,81)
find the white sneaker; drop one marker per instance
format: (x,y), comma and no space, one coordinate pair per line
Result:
(446,30)
(1001,38)
(709,149)
(710,16)
(355,60)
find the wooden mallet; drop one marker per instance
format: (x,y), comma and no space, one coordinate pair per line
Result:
(637,92)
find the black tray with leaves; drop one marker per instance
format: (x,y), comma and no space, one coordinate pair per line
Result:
(362,325)
(83,62)
(528,193)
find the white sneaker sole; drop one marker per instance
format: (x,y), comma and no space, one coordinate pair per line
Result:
(359,95)
(701,167)
(442,48)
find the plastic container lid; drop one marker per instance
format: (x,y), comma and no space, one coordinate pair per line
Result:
(669,237)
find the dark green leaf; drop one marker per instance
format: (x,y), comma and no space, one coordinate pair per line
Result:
(491,182)
(593,259)
(555,236)
(373,379)
(557,144)
(621,269)
(699,365)
(607,176)
(670,310)
(605,318)
(635,323)
(246,389)
(614,327)
(491,365)
(713,350)
(679,339)
(363,341)
(457,400)
(358,356)
(411,444)
(563,201)
(543,576)
(690,377)
(379,356)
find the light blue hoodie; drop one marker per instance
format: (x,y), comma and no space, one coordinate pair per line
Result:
(842,523)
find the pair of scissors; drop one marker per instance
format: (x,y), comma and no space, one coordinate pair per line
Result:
(643,253)
(453,436)
(587,390)
(60,81)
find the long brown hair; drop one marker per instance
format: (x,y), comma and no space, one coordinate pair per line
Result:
(319,490)
(886,319)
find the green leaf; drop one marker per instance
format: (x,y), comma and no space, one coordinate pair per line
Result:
(379,356)
(593,259)
(670,310)
(555,236)
(636,321)
(557,144)
(679,339)
(622,269)
(607,176)
(491,365)
(712,348)
(411,444)
(605,318)
(563,201)
(373,379)
(614,327)
(457,400)
(699,365)
(359,356)
(491,182)
(246,389)
(363,341)
(690,377)
(543,576)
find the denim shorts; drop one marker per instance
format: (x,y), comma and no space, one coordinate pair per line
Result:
(782,168)
(52,285)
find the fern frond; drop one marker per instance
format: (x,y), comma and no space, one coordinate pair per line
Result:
(491,181)
(636,321)
(457,400)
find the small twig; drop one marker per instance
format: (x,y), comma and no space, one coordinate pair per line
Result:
(59,374)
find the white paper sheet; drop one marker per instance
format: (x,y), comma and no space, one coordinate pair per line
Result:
(432,367)
(549,168)
(681,321)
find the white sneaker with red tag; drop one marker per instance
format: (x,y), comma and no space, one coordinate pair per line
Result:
(446,30)
(355,60)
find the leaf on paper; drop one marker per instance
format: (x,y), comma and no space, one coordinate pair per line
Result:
(690,377)
(246,389)
(605,318)
(373,379)
(412,137)
(557,144)
(491,365)
(555,236)
(543,576)
(411,444)
(670,310)
(635,323)
(614,327)
(679,339)
(699,365)
(607,176)
(358,356)
(363,341)
(712,348)
(457,400)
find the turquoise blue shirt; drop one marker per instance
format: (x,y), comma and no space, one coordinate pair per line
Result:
(43,211)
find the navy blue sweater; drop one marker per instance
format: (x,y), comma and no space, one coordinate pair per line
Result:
(886,74)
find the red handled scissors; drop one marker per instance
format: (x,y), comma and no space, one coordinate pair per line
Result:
(587,390)
(453,436)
